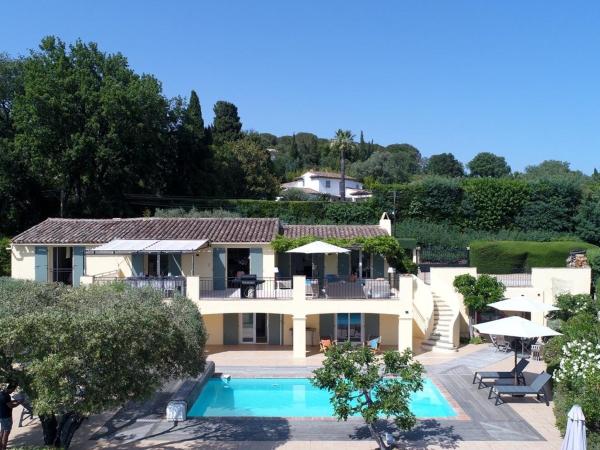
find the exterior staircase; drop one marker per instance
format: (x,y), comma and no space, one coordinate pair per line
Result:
(440,338)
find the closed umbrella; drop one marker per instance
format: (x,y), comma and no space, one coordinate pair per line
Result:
(515,327)
(575,434)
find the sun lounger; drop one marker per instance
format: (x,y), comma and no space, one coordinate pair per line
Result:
(536,387)
(479,376)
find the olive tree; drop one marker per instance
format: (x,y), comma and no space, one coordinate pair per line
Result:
(374,386)
(478,293)
(81,351)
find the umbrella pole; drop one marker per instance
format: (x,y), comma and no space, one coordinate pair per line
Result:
(516,378)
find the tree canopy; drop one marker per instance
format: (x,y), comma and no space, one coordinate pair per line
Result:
(361,382)
(82,351)
(487,164)
(445,165)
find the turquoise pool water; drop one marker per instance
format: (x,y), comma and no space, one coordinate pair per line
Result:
(292,397)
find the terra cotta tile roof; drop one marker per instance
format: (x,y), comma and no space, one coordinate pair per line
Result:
(97,231)
(333,231)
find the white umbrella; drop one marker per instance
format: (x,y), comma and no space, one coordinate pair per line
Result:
(516,327)
(318,247)
(575,434)
(522,304)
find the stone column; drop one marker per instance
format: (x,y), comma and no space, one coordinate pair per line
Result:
(405,331)
(299,335)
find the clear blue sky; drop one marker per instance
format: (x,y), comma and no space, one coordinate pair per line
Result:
(517,78)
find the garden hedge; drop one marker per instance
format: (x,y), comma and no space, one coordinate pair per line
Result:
(516,256)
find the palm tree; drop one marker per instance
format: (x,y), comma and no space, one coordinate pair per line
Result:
(344,142)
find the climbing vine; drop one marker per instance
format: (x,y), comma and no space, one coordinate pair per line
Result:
(387,246)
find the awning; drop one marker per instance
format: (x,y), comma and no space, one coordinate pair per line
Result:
(176,246)
(128,246)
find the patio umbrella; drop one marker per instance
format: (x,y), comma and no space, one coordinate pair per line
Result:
(522,304)
(515,327)
(575,434)
(317,247)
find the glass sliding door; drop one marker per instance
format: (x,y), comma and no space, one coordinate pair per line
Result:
(253,328)
(247,334)
(349,327)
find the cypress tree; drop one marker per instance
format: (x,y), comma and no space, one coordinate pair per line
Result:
(227,126)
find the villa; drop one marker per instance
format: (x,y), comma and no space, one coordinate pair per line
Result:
(317,183)
(250,294)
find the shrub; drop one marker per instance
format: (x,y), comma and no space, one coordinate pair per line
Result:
(478,293)
(514,256)
(572,305)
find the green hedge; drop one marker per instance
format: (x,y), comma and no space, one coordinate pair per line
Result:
(304,212)
(514,256)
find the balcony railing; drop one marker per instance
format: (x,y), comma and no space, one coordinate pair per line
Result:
(169,286)
(246,288)
(514,279)
(336,288)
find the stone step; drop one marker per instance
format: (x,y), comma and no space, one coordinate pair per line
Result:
(438,346)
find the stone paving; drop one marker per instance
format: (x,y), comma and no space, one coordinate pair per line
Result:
(525,423)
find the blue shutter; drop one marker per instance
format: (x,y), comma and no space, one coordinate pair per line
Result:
(326,325)
(344,265)
(230,329)
(256,262)
(275,329)
(78,264)
(219,274)
(41,264)
(175,264)
(137,264)
(371,326)
(284,265)
(378,266)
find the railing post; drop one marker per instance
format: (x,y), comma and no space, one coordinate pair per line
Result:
(192,288)
(299,289)
(299,336)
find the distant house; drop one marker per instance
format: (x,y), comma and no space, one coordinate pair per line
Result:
(315,183)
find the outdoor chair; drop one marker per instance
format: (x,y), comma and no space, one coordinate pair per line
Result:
(324,344)
(500,344)
(537,387)
(377,289)
(479,376)
(537,351)
(374,344)
(26,412)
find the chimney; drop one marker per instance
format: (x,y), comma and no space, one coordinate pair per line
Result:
(386,223)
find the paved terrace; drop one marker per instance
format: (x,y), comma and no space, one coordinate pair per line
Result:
(525,423)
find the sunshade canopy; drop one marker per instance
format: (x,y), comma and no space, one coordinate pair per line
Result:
(522,304)
(127,246)
(318,247)
(516,327)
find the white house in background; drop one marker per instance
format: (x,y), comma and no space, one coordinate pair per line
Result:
(327,183)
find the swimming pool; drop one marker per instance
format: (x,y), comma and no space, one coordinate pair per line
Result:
(292,397)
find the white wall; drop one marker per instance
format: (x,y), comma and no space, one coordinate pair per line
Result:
(22,262)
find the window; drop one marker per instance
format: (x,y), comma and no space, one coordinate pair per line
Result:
(327,183)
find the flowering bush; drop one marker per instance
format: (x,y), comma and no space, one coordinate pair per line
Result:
(572,304)
(580,360)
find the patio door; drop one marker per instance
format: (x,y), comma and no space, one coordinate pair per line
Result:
(349,327)
(254,328)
